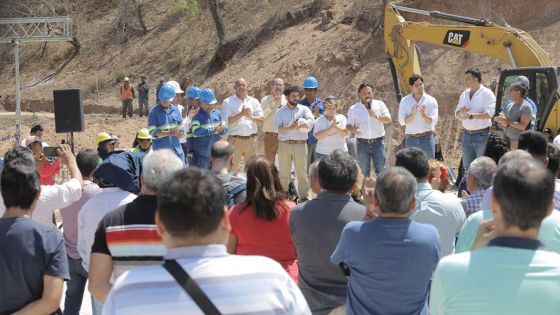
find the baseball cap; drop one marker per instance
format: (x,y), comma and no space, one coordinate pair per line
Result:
(523,80)
(29,140)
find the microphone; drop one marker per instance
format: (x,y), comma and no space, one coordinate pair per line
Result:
(369,103)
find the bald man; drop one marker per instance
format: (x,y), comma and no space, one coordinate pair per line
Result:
(242,113)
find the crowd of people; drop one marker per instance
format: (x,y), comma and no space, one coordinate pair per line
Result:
(193,220)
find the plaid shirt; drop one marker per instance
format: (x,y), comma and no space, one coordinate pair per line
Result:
(474,200)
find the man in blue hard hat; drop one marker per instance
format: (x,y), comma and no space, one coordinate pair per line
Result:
(164,121)
(193,105)
(206,127)
(315,104)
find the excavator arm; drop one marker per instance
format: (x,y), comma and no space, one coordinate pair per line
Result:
(512,46)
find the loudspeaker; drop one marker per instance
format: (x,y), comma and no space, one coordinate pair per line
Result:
(68,110)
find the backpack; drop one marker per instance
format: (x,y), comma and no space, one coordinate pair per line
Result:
(232,191)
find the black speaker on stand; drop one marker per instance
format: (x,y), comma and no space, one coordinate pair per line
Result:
(68,112)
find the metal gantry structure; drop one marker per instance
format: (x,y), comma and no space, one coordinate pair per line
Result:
(34,29)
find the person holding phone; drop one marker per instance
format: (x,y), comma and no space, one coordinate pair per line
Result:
(46,168)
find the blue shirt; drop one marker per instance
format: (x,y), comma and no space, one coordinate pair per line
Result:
(28,251)
(391,263)
(203,130)
(317,103)
(509,276)
(160,119)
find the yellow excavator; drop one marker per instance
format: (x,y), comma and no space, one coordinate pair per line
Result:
(512,46)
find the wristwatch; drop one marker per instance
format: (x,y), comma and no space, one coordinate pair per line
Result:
(470,117)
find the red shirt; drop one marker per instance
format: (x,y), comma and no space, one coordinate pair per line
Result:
(272,239)
(47,170)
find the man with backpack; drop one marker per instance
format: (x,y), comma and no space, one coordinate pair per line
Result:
(222,162)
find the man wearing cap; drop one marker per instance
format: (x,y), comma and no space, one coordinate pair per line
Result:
(418,112)
(193,105)
(105,145)
(315,104)
(475,110)
(517,115)
(270,104)
(293,121)
(143,95)
(206,127)
(525,81)
(242,113)
(164,121)
(127,95)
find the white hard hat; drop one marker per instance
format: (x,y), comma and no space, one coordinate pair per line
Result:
(176,86)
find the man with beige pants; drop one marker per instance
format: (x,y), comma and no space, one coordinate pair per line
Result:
(293,121)
(242,113)
(270,104)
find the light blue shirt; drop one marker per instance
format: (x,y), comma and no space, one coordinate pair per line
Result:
(497,280)
(285,116)
(549,233)
(443,211)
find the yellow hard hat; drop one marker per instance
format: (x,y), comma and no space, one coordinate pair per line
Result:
(143,134)
(102,137)
(126,79)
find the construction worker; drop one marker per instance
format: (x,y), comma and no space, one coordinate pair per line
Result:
(206,127)
(105,145)
(164,121)
(315,104)
(193,105)
(142,142)
(127,95)
(143,89)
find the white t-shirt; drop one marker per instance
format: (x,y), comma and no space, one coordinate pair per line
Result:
(333,140)
(370,128)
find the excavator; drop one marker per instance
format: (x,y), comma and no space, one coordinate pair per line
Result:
(512,46)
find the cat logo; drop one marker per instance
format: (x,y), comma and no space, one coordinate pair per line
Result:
(457,38)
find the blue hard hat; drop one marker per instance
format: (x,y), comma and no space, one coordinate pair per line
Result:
(167,93)
(310,83)
(207,96)
(193,93)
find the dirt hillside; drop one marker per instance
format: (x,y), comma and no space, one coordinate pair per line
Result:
(339,42)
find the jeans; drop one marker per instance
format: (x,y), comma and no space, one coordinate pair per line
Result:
(368,152)
(143,106)
(473,146)
(426,143)
(75,287)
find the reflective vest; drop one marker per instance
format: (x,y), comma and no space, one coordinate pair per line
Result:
(127,94)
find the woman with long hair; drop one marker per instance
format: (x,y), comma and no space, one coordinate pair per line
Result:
(261,225)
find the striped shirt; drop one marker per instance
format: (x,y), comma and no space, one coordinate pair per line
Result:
(235,284)
(129,235)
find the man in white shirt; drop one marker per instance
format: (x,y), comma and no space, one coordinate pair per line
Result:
(242,113)
(475,110)
(366,119)
(418,111)
(95,209)
(270,104)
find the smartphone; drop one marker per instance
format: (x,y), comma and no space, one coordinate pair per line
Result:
(50,151)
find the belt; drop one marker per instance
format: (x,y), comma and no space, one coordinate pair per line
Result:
(244,137)
(472,132)
(420,135)
(369,141)
(272,133)
(294,141)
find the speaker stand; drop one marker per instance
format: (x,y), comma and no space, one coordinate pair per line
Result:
(72,142)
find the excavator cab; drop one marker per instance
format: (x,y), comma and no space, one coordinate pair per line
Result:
(544,91)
